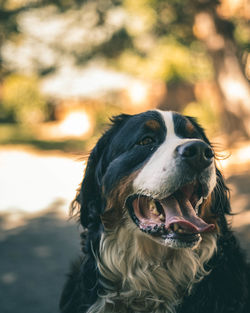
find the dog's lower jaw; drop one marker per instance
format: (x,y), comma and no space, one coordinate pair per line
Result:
(145,276)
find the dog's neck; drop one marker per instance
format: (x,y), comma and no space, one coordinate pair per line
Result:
(145,276)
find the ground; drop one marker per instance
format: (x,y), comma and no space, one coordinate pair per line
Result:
(38,242)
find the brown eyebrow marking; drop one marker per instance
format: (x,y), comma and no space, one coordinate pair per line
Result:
(153,124)
(189,127)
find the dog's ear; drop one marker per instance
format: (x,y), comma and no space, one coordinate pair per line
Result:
(220,201)
(89,203)
(200,129)
(221,195)
(84,281)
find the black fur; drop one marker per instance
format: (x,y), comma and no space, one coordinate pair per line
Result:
(224,290)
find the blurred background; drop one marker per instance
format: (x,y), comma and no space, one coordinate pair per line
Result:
(65,68)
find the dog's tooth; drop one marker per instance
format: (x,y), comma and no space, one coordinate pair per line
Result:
(153,208)
(162,218)
(175,227)
(155,211)
(152,205)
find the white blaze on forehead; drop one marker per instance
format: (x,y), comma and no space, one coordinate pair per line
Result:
(161,173)
(158,173)
(168,119)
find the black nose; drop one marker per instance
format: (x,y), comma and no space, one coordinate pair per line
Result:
(196,153)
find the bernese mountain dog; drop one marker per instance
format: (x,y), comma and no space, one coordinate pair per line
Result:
(152,205)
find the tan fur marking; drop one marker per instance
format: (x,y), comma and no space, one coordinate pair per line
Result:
(189,127)
(115,207)
(153,124)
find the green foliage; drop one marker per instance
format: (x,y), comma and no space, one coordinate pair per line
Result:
(21,97)
(169,61)
(242,34)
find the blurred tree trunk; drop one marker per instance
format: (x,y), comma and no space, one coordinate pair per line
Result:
(232,85)
(177,96)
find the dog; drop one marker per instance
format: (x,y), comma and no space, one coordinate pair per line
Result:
(152,205)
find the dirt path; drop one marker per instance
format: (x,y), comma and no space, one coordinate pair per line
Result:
(33,263)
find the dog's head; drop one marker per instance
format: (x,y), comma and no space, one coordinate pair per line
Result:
(155,170)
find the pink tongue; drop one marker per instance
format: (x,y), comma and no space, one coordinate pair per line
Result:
(179,210)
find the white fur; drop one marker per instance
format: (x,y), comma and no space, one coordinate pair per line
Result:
(146,276)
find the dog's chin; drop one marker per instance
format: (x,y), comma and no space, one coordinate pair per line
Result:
(173,221)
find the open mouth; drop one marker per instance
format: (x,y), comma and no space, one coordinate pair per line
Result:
(173,220)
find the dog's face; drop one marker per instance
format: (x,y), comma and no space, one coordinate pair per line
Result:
(155,170)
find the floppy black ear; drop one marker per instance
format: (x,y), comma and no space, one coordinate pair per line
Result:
(200,129)
(83,284)
(221,201)
(89,200)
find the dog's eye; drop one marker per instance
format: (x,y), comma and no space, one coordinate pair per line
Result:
(146,141)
